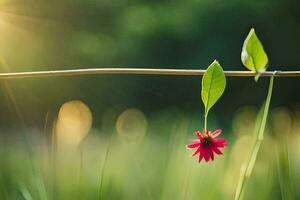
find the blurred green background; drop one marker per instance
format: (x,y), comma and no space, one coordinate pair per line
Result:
(161,112)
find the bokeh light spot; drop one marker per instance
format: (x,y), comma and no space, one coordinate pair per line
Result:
(132,125)
(244,120)
(73,123)
(281,120)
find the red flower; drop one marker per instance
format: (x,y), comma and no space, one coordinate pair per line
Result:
(207,145)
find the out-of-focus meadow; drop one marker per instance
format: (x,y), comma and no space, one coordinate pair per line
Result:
(138,156)
(124,136)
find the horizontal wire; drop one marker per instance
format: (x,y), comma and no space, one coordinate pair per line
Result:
(140,71)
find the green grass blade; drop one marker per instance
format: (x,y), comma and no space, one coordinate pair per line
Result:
(103,169)
(283,169)
(259,137)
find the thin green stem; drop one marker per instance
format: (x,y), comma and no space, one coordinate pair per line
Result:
(103,170)
(205,121)
(248,167)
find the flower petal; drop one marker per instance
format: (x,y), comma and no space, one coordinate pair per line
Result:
(206,154)
(197,151)
(216,133)
(205,132)
(216,150)
(193,145)
(219,142)
(206,146)
(200,158)
(211,154)
(198,134)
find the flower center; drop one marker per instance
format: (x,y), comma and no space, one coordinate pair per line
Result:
(206,141)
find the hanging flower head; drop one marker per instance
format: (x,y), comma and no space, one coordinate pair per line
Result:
(207,145)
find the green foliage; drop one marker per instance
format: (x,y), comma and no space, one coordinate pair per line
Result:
(213,85)
(247,168)
(253,54)
(255,59)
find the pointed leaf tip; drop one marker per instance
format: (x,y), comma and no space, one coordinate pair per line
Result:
(253,55)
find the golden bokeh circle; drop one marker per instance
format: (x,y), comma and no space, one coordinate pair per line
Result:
(73,122)
(131,125)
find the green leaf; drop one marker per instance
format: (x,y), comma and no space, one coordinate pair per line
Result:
(213,85)
(253,54)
